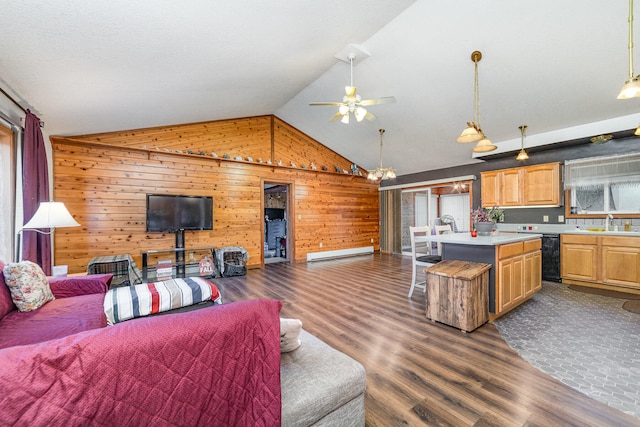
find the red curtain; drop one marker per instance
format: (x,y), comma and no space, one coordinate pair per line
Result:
(35,184)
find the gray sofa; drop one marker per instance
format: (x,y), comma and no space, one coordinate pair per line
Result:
(321,386)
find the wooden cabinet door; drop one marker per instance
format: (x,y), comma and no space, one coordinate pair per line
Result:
(518,281)
(510,187)
(490,189)
(504,285)
(621,266)
(542,184)
(532,272)
(579,261)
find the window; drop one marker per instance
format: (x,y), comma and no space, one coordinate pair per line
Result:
(7,194)
(603,185)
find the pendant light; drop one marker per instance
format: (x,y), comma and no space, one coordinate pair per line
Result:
(381,173)
(473,132)
(522,155)
(631,88)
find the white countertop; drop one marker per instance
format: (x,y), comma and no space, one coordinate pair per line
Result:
(466,239)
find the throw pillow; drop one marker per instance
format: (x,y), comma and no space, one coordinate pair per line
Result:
(289,334)
(28,285)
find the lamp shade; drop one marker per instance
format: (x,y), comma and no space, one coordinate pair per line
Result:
(631,89)
(51,215)
(522,155)
(483,146)
(470,134)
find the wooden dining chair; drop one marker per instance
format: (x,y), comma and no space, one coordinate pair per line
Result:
(442,229)
(421,255)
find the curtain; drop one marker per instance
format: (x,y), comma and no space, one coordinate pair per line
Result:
(36,247)
(598,171)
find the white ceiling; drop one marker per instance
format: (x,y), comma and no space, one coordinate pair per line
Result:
(94,66)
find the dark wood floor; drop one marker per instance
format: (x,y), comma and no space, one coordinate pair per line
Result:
(418,372)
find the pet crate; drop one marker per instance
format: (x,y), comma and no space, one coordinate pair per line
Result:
(232,261)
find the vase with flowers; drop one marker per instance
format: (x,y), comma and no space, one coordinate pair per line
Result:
(484,219)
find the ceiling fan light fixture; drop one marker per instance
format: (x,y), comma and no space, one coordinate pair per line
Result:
(345,118)
(360,112)
(344,109)
(484,146)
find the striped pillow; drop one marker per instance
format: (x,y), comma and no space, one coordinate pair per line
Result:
(129,302)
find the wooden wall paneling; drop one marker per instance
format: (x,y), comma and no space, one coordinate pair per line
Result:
(105,189)
(292,145)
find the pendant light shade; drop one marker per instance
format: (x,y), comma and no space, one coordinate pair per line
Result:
(470,134)
(484,146)
(631,87)
(522,155)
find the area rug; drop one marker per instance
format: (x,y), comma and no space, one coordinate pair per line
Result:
(632,306)
(604,292)
(586,341)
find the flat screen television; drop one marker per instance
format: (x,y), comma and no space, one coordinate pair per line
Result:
(166,212)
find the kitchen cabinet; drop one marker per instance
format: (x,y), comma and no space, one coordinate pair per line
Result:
(511,187)
(490,189)
(519,273)
(537,185)
(621,261)
(579,255)
(542,184)
(611,262)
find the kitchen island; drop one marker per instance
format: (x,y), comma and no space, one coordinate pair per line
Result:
(516,261)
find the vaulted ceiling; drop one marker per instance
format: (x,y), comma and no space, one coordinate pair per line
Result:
(556,66)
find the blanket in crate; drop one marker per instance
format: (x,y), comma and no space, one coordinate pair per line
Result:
(129,302)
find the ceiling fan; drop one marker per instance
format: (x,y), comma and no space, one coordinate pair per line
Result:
(353,103)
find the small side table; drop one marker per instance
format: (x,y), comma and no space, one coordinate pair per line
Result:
(458,294)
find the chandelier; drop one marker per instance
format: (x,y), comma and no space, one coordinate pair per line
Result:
(473,132)
(381,173)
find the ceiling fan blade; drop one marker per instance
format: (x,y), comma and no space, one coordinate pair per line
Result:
(335,117)
(325,104)
(370,116)
(376,101)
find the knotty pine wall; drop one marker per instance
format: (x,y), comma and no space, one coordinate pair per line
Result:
(103,179)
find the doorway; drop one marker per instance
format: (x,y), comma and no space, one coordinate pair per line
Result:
(276,222)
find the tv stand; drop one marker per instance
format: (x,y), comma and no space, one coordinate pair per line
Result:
(179,255)
(180,265)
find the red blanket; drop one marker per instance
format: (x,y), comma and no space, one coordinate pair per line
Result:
(214,366)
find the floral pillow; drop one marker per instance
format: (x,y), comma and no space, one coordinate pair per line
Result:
(28,285)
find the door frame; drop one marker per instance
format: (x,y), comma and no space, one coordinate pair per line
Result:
(289,214)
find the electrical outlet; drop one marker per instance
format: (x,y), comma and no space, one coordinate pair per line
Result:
(371,240)
(545,218)
(299,216)
(560,218)
(320,244)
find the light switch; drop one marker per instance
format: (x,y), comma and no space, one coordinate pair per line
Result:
(545,218)
(560,218)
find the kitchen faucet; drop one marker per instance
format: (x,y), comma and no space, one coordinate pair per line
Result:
(608,221)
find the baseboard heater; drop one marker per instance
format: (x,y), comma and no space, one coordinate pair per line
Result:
(318,256)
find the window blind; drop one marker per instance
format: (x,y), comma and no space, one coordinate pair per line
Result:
(596,171)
